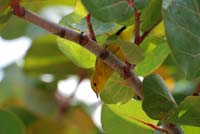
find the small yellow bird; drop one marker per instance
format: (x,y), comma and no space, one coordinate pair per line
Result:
(103,71)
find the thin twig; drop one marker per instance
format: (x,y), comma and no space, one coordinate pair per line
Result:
(90,28)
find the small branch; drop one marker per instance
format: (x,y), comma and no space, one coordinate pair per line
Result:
(137,22)
(90,28)
(137,26)
(111,60)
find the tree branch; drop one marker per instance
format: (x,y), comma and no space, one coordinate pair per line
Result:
(111,60)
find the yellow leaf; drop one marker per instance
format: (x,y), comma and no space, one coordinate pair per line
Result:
(159,30)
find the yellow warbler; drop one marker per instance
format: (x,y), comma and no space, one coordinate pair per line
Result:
(102,70)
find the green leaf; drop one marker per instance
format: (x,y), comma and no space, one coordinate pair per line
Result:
(158,102)
(156,51)
(99,27)
(39,61)
(40,97)
(76,53)
(70,19)
(151,14)
(190,129)
(10,124)
(181,20)
(14,28)
(13,85)
(115,90)
(3,3)
(23,114)
(5,15)
(120,119)
(188,112)
(109,10)
(132,52)
(140,4)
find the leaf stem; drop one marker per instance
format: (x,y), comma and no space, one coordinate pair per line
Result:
(90,28)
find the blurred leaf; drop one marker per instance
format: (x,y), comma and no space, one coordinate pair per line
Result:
(151,14)
(119,119)
(99,27)
(37,5)
(183,89)
(80,9)
(188,112)
(14,28)
(75,121)
(76,53)
(23,114)
(190,129)
(156,51)
(13,85)
(140,4)
(40,98)
(44,57)
(10,124)
(158,103)
(5,15)
(115,90)
(181,20)
(3,3)
(109,11)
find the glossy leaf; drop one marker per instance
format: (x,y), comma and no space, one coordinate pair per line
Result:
(118,119)
(181,18)
(132,52)
(10,124)
(140,4)
(188,112)
(115,90)
(151,14)
(158,102)
(98,26)
(156,51)
(109,10)
(77,54)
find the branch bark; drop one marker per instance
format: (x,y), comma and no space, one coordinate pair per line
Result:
(110,59)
